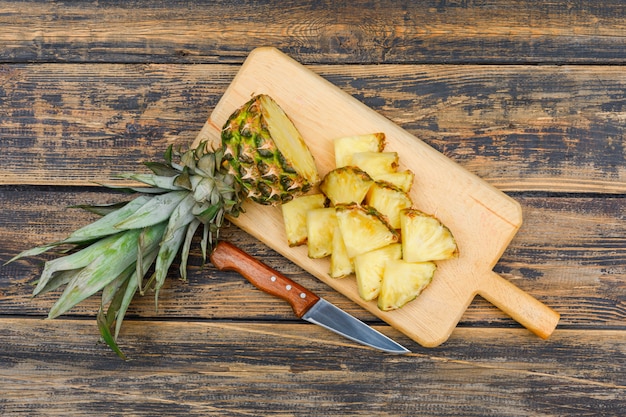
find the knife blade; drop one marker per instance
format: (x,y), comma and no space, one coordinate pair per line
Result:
(305,304)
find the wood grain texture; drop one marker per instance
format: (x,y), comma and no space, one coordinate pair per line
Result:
(520,128)
(203,369)
(365,32)
(527,95)
(569,253)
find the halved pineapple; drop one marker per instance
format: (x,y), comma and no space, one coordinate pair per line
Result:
(348,145)
(425,238)
(294,216)
(346,185)
(403,281)
(401,179)
(340,263)
(389,200)
(369,268)
(363,229)
(320,225)
(376,163)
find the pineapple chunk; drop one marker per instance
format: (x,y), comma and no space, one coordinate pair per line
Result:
(340,263)
(369,268)
(425,238)
(401,179)
(348,145)
(376,163)
(402,282)
(389,200)
(346,185)
(320,225)
(363,229)
(294,216)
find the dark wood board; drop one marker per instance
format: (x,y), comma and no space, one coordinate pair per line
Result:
(361,32)
(527,95)
(520,128)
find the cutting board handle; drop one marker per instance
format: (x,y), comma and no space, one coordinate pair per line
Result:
(521,306)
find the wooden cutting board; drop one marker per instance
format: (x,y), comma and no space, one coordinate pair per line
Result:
(482,219)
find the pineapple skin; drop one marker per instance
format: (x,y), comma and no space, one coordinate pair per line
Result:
(266,154)
(401,179)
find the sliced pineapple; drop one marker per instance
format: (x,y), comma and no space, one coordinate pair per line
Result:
(401,179)
(425,238)
(369,268)
(320,225)
(346,185)
(294,216)
(402,282)
(376,163)
(348,145)
(363,229)
(340,263)
(267,155)
(389,200)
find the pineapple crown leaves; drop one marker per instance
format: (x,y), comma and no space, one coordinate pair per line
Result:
(142,236)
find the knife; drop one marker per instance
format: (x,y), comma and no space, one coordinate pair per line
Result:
(305,303)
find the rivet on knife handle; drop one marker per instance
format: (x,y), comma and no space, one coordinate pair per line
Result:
(228,257)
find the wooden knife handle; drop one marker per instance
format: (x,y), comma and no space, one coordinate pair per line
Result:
(228,257)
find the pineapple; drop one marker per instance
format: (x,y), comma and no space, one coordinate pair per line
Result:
(369,268)
(320,224)
(389,200)
(346,185)
(348,145)
(262,157)
(340,264)
(363,229)
(265,152)
(376,163)
(403,281)
(294,216)
(401,179)
(425,238)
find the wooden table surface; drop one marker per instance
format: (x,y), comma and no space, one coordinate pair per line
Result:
(530,96)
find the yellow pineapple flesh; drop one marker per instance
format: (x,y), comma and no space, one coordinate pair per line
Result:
(402,282)
(320,225)
(348,145)
(340,264)
(376,163)
(369,268)
(389,200)
(294,216)
(425,238)
(346,185)
(266,154)
(363,229)
(401,179)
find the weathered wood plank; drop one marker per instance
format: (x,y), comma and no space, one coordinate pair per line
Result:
(362,31)
(521,128)
(243,368)
(569,253)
